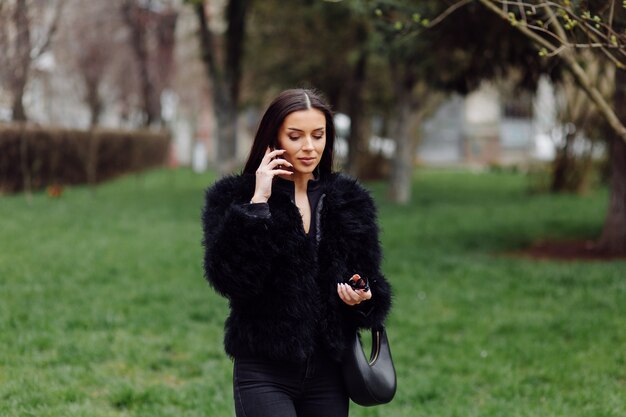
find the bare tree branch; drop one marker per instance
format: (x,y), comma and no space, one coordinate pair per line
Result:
(601,35)
(47,40)
(522,11)
(524,29)
(557,25)
(448,12)
(569,59)
(611,13)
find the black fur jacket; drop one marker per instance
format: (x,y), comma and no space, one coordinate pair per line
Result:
(281,286)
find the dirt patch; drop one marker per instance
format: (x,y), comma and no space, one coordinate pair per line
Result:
(571,250)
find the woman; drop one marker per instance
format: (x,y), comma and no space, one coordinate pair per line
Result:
(283,241)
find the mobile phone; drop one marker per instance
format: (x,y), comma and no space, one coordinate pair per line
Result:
(358,283)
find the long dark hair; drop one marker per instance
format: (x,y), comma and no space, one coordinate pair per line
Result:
(284,104)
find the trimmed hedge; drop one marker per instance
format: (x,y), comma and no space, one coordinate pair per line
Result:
(33,157)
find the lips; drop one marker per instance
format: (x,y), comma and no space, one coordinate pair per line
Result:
(307,161)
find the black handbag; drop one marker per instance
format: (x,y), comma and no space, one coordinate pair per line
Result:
(370,382)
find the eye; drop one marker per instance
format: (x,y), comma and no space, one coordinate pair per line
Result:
(294,137)
(318,135)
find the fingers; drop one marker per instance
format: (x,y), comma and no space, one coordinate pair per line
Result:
(350,296)
(282,172)
(271,162)
(276,162)
(269,155)
(345,295)
(276,167)
(365,295)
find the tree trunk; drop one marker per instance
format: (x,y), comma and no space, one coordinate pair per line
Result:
(22,46)
(136,18)
(226,115)
(24,163)
(562,165)
(166,44)
(225,78)
(94,102)
(613,238)
(19,114)
(402,164)
(585,169)
(236,16)
(357,140)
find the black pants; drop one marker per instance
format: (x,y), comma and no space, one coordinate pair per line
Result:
(313,388)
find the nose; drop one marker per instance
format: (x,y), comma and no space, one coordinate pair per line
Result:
(308,144)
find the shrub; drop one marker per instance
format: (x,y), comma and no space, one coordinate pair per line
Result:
(33,157)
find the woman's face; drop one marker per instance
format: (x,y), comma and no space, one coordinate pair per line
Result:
(303,137)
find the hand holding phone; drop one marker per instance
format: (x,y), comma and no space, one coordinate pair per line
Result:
(271,165)
(354,291)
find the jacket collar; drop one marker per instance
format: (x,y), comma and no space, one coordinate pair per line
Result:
(289,186)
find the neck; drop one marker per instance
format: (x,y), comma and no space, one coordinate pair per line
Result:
(300,180)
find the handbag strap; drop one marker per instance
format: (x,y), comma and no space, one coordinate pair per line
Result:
(376,338)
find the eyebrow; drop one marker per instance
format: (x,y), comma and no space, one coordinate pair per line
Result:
(300,130)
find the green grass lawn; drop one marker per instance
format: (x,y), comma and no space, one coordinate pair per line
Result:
(104,310)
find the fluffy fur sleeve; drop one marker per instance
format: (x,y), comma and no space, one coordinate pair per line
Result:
(360,236)
(237,249)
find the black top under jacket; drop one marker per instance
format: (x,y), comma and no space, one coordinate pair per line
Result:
(313,192)
(282,283)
